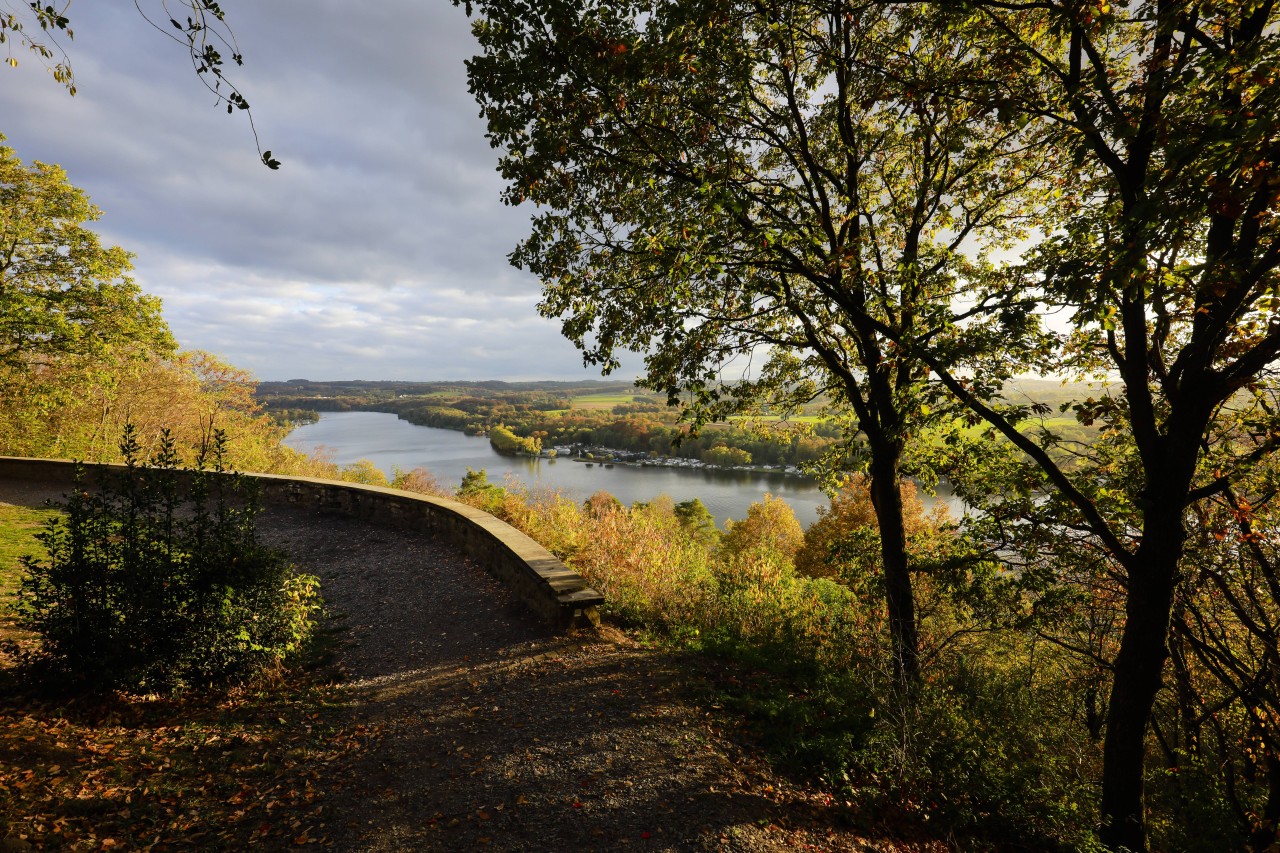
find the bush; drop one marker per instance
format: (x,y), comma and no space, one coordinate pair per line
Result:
(645,563)
(695,518)
(476,490)
(152,587)
(770,526)
(418,480)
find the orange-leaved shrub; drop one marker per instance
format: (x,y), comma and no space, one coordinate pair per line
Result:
(846,536)
(770,528)
(419,480)
(642,559)
(654,569)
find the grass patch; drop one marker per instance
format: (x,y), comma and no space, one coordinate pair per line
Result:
(18,528)
(601,401)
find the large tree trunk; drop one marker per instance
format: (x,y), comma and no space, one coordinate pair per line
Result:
(886,498)
(882,424)
(1268,833)
(1136,678)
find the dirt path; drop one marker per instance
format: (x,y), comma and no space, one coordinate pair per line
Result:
(494,735)
(491,734)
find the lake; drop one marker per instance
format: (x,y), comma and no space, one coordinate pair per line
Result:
(389,442)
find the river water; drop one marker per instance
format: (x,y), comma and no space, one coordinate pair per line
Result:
(389,442)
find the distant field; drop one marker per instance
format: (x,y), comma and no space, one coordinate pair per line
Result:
(794,419)
(601,401)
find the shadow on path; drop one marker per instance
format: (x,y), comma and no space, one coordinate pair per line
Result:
(490,733)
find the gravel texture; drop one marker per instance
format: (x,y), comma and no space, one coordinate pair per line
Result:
(492,734)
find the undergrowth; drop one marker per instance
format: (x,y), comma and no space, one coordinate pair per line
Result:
(984,748)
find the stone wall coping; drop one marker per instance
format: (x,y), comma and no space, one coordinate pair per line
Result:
(550,588)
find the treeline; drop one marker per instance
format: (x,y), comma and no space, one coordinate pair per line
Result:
(290,418)
(521,411)
(656,433)
(391,389)
(546,412)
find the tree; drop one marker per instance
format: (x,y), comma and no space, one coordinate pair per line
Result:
(476,490)
(13,27)
(698,521)
(75,409)
(727,456)
(1225,653)
(697,164)
(61,292)
(723,184)
(507,442)
(770,526)
(851,518)
(1169,271)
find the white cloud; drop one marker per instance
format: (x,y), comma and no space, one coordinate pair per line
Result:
(377,251)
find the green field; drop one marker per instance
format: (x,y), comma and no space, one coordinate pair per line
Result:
(793,419)
(601,401)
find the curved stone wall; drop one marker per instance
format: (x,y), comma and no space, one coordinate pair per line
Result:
(550,588)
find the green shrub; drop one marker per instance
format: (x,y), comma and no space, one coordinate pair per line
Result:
(152,585)
(476,490)
(994,758)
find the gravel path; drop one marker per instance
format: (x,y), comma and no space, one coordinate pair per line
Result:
(492,734)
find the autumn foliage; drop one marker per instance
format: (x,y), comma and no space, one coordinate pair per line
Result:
(808,656)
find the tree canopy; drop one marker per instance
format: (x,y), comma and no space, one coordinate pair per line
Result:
(1169,271)
(812,190)
(752,192)
(62,293)
(83,351)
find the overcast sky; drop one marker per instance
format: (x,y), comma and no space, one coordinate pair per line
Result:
(377,251)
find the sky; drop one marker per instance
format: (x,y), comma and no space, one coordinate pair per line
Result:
(377,251)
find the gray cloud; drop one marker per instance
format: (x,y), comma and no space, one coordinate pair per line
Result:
(377,251)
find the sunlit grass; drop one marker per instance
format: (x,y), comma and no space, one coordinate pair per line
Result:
(18,528)
(601,401)
(792,419)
